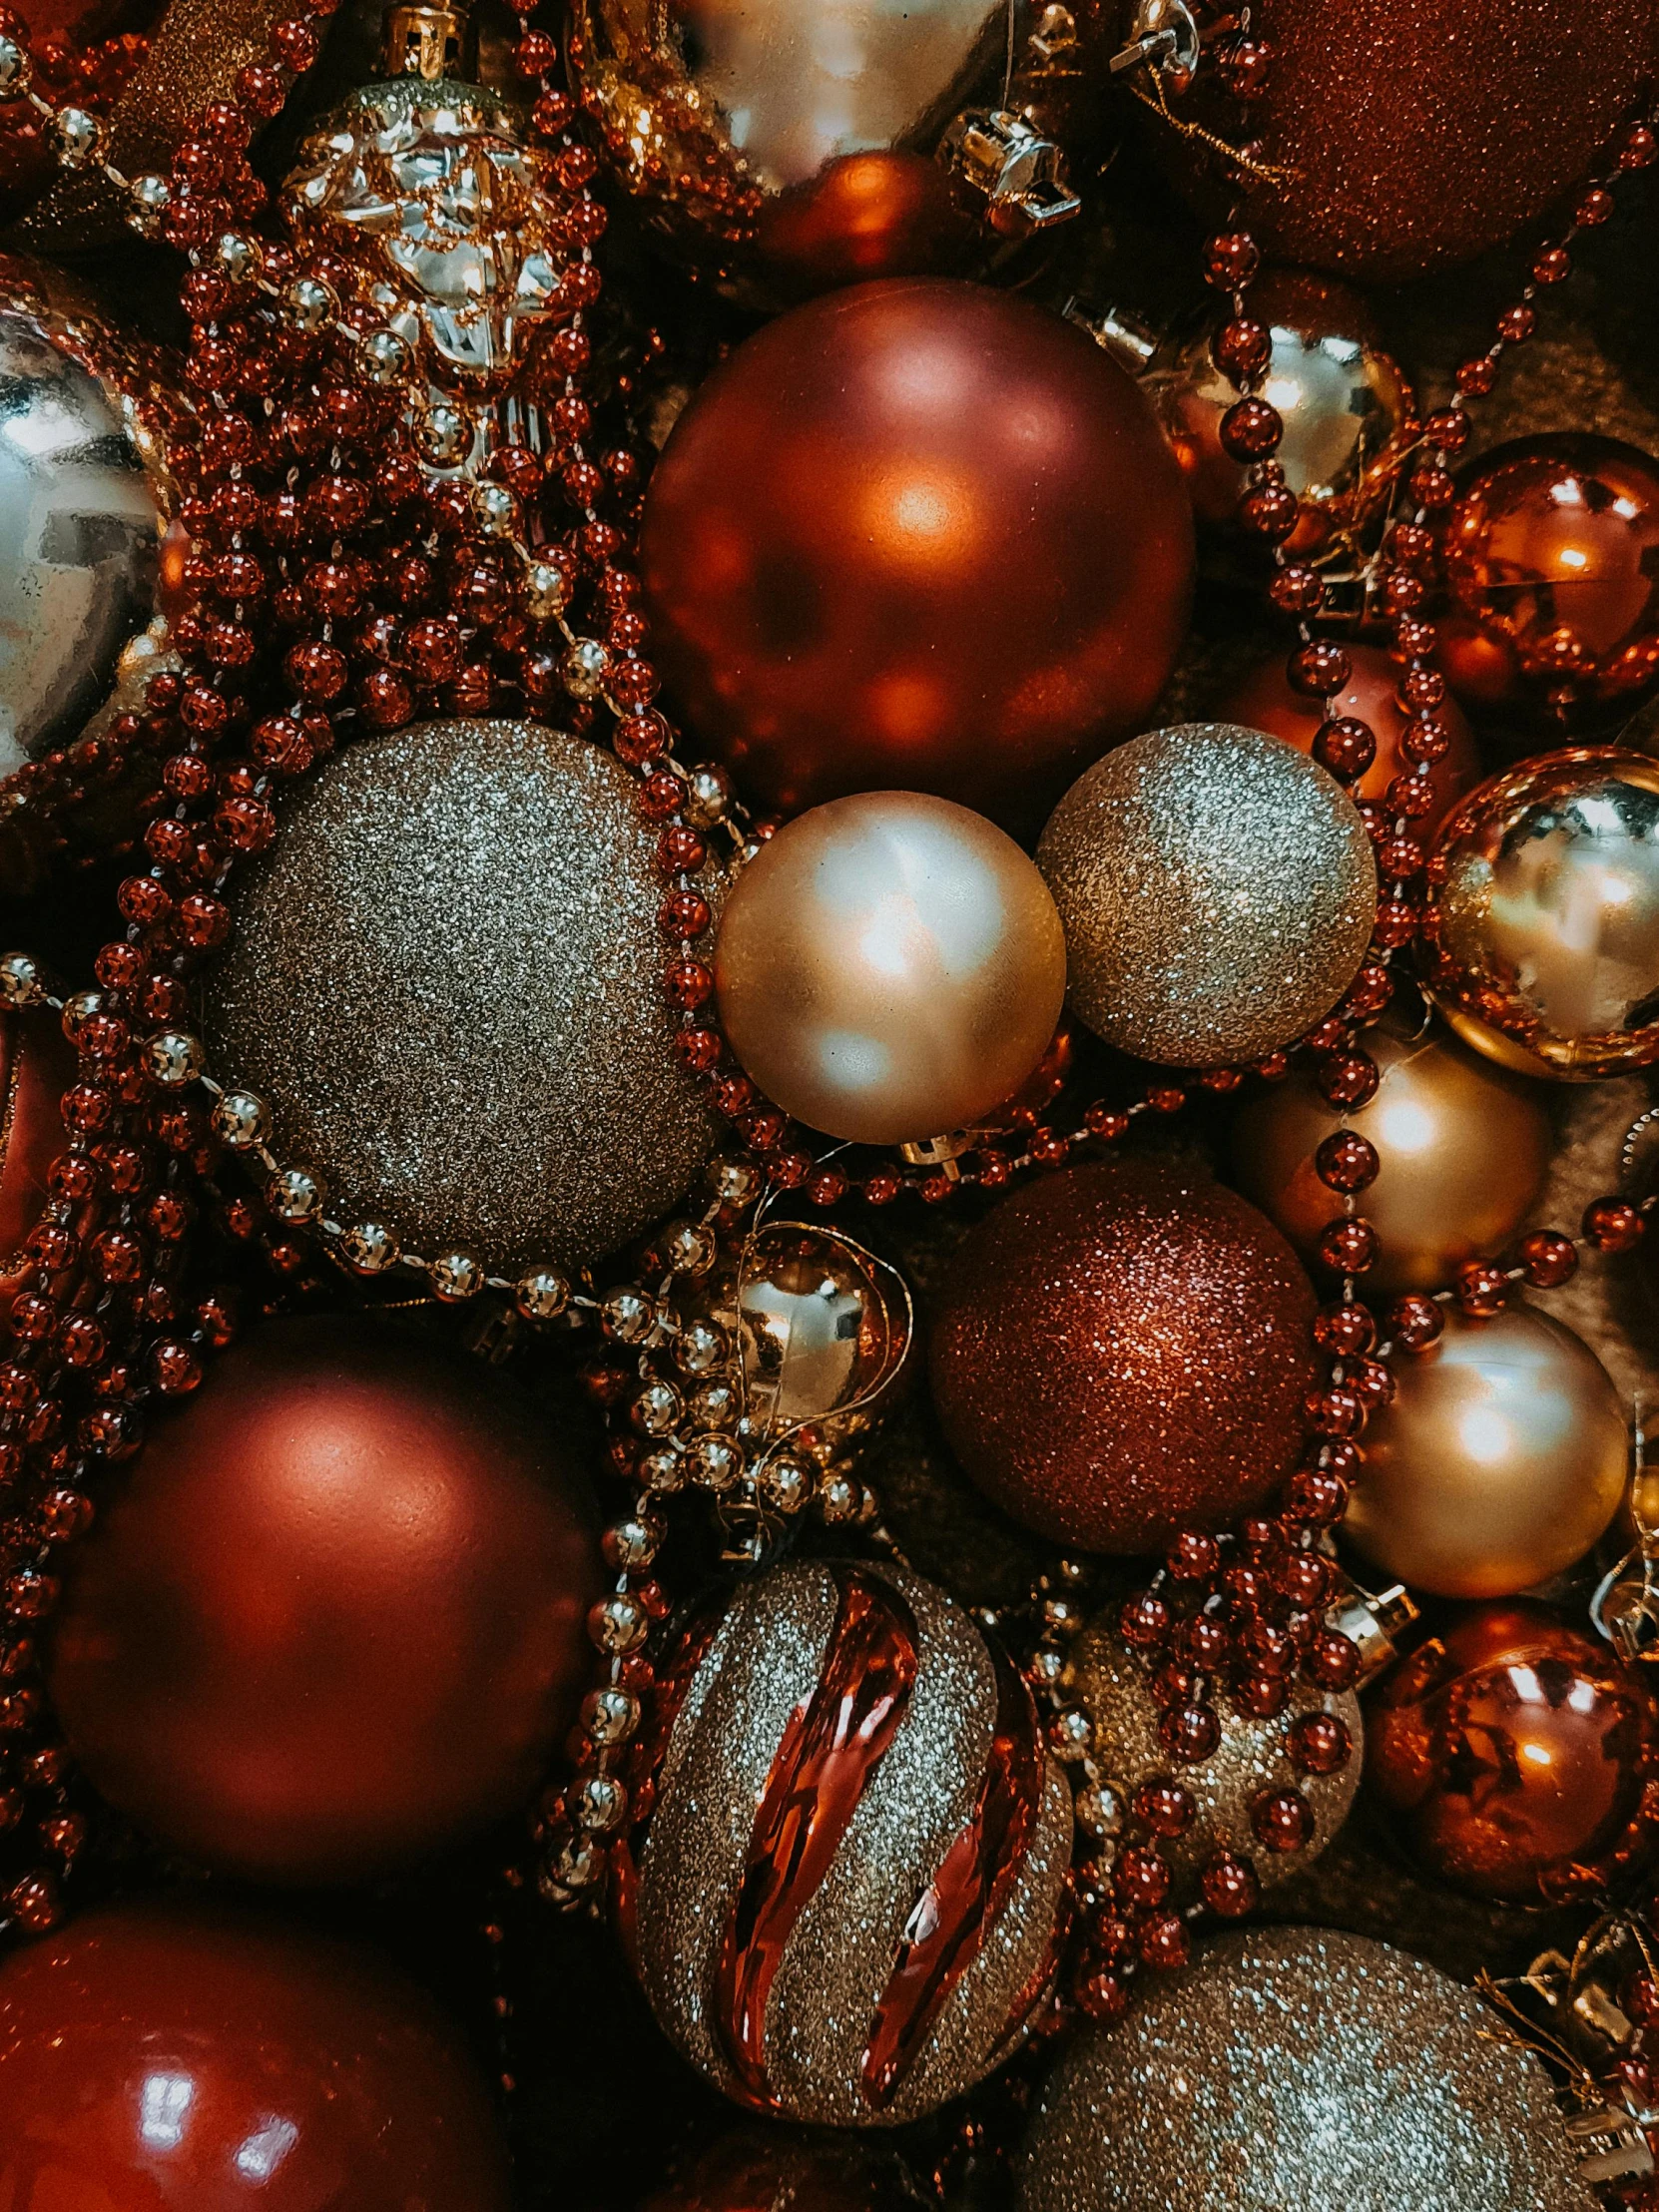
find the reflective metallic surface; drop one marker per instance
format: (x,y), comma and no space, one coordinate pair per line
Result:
(824,1327)
(1546,952)
(1500,1462)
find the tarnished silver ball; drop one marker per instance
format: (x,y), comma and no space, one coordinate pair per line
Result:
(1217,892)
(447,986)
(1297,2066)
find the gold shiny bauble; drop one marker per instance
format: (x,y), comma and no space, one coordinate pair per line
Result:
(1114,1687)
(446,987)
(822,1327)
(1462,1146)
(1545,914)
(848,1892)
(890,967)
(1218,894)
(1501,1461)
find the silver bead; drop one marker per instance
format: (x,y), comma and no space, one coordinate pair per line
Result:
(663,1471)
(599,1804)
(656,1409)
(495,510)
(1070,1734)
(585,668)
(151,198)
(619,1624)
(20,979)
(576,1865)
(309,304)
(457,1275)
(785,1481)
(714,1462)
(735,1182)
(385,357)
(1048,1666)
(714,1403)
(689,1248)
(444,435)
(295,1195)
(80,138)
(611,1715)
(238,258)
(708,796)
(629,1315)
(1063,1615)
(700,1346)
(634,1542)
(243,1119)
(174,1057)
(542,1295)
(369,1247)
(79,1007)
(14,66)
(1099,1809)
(841,1500)
(546,591)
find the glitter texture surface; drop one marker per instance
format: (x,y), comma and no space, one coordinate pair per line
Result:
(1217,890)
(446,984)
(1301,2069)
(763,1663)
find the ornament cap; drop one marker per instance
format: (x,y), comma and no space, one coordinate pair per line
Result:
(423,41)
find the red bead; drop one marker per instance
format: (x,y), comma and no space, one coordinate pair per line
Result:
(1482,1290)
(1348,1247)
(1348,1078)
(1296,591)
(1344,746)
(1229,1886)
(1550,1259)
(1232,258)
(1242,348)
(1144,1623)
(1283,1819)
(1333,1660)
(1345,1329)
(1613,1225)
(1193,1557)
(1251,429)
(1164,1808)
(1141,1879)
(1189,1733)
(1319,668)
(1165,1943)
(1346,1161)
(1319,1743)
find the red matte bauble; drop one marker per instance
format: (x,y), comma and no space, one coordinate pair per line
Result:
(1123,1350)
(332,1619)
(37,1065)
(1264,700)
(160,2058)
(920,536)
(1516,1755)
(1552,565)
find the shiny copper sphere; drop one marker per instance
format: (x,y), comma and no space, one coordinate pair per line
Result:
(1553,562)
(185,2060)
(332,1620)
(1516,1755)
(918,535)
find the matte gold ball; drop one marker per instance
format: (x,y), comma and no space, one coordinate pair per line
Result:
(1462,1147)
(890,967)
(1501,1461)
(1218,894)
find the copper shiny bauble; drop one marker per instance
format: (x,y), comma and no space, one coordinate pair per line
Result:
(1462,1148)
(1122,1351)
(1516,1755)
(1553,562)
(332,1622)
(847,1891)
(917,535)
(187,2060)
(1500,1462)
(889,967)
(1264,700)
(1545,953)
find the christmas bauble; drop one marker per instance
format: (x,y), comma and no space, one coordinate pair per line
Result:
(778,2170)
(37,1065)
(1499,1461)
(917,534)
(1515,1754)
(889,967)
(848,1892)
(1218,894)
(1552,564)
(1545,915)
(1462,1149)
(332,1619)
(1264,700)
(1113,1685)
(447,988)
(1300,2065)
(187,2060)
(1121,1350)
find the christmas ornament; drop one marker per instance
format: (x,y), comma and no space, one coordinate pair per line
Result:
(190,2058)
(1516,1755)
(821,1327)
(1461,1146)
(1255,1759)
(1544,943)
(1122,1351)
(776,2171)
(488,888)
(889,967)
(1217,891)
(916,534)
(1264,700)
(1552,564)
(37,1065)
(1300,2065)
(1499,1461)
(847,1894)
(333,1621)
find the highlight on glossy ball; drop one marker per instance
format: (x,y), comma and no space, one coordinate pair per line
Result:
(889,967)
(1218,894)
(1499,1461)
(1545,915)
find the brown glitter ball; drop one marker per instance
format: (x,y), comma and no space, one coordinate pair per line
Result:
(1123,1351)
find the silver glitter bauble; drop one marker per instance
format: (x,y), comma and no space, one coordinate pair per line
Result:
(1302,2067)
(1114,1689)
(850,1886)
(1217,892)
(447,986)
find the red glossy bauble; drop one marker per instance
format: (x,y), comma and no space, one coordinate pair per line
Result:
(157,2059)
(332,1620)
(1123,1350)
(1553,563)
(37,1065)
(1264,700)
(1516,1755)
(917,536)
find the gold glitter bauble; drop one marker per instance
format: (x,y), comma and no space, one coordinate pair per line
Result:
(446,984)
(1218,894)
(1114,1688)
(1300,2066)
(849,1890)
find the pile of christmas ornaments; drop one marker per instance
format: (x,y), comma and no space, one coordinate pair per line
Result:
(615,930)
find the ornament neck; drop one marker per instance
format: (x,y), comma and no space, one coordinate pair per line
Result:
(423,41)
